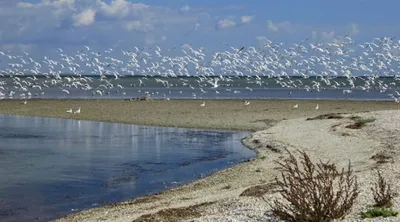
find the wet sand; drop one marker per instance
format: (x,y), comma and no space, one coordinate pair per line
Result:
(234,193)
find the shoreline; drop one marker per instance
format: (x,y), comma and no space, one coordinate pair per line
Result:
(217,114)
(223,187)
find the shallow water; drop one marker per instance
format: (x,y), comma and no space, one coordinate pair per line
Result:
(51,167)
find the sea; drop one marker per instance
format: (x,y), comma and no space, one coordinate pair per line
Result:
(127,87)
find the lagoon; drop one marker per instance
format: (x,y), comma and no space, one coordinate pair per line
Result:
(51,167)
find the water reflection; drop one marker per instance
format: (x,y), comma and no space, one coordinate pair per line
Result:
(52,166)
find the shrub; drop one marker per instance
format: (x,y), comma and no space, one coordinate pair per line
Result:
(379,212)
(314,192)
(382,191)
(360,122)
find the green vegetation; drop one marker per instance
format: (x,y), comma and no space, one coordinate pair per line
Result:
(383,197)
(379,212)
(360,122)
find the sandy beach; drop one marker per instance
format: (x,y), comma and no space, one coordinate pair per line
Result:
(216,114)
(234,194)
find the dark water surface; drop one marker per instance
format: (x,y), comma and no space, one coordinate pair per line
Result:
(52,167)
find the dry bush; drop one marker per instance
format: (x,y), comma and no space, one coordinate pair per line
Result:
(382,191)
(314,192)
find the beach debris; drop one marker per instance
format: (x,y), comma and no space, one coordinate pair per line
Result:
(327,116)
(383,157)
(259,190)
(175,214)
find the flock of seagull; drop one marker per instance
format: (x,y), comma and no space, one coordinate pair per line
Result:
(322,64)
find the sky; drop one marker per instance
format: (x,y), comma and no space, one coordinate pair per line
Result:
(42,26)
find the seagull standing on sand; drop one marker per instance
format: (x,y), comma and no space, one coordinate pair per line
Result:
(78,110)
(203,104)
(246,103)
(69,111)
(317,107)
(296,106)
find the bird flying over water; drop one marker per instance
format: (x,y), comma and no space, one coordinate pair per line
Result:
(341,65)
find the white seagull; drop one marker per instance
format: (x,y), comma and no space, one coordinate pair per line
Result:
(78,110)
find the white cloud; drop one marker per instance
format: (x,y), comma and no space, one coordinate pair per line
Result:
(138,26)
(246,18)
(104,23)
(196,26)
(121,8)
(149,40)
(186,46)
(131,25)
(225,24)
(262,40)
(185,8)
(281,26)
(287,26)
(328,35)
(19,47)
(49,3)
(85,18)
(314,34)
(354,29)
(58,22)
(271,26)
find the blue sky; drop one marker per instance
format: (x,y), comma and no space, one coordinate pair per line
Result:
(41,26)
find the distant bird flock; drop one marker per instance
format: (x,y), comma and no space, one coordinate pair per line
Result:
(99,73)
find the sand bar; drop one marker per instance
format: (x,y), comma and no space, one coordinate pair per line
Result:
(216,114)
(234,194)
